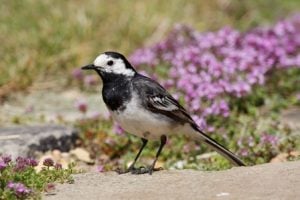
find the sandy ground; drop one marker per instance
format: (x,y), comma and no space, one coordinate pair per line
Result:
(268,181)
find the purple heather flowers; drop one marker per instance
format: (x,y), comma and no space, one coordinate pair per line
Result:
(268,139)
(23,163)
(208,68)
(3,165)
(19,179)
(6,159)
(48,162)
(20,189)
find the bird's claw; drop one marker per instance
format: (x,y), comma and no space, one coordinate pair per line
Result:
(140,170)
(125,171)
(145,170)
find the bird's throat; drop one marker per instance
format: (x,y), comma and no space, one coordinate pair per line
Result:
(112,77)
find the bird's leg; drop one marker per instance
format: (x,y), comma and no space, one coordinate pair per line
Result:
(151,168)
(138,155)
(131,167)
(163,141)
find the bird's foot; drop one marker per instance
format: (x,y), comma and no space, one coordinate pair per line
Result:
(125,171)
(144,170)
(140,170)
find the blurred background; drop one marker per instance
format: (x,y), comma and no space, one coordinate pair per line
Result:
(41,40)
(255,112)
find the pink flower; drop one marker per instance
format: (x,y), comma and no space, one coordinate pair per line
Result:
(3,165)
(48,162)
(32,162)
(90,80)
(6,159)
(21,164)
(268,139)
(298,97)
(20,189)
(57,166)
(100,168)
(77,74)
(244,152)
(118,129)
(50,187)
(186,148)
(95,115)
(81,105)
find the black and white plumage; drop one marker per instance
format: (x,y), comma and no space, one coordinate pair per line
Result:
(144,108)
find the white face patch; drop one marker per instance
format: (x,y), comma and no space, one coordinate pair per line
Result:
(109,64)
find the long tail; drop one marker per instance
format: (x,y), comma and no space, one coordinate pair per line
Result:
(219,148)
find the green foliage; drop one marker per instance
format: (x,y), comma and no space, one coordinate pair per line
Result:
(20,180)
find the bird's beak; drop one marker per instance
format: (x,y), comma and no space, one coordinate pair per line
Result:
(88,67)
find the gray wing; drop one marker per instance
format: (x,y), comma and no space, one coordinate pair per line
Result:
(158,100)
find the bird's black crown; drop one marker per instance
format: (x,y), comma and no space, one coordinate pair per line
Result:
(117,55)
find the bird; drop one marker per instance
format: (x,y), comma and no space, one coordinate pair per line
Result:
(146,109)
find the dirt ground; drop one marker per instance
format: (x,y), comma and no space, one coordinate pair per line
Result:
(268,181)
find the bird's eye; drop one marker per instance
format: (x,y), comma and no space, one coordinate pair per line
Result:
(110,63)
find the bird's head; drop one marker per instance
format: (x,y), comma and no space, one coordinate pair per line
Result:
(112,63)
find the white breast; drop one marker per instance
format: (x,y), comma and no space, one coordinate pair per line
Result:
(143,123)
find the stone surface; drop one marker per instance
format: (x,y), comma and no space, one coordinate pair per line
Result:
(15,140)
(268,181)
(50,106)
(82,155)
(291,117)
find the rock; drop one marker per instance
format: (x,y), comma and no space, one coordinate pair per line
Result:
(82,155)
(295,153)
(56,154)
(50,106)
(268,181)
(282,157)
(15,141)
(291,117)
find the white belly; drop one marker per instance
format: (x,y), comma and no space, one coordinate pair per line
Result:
(142,123)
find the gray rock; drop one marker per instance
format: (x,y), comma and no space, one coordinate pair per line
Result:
(49,106)
(16,140)
(291,117)
(268,181)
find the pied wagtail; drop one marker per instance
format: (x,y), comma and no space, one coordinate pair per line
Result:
(144,108)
